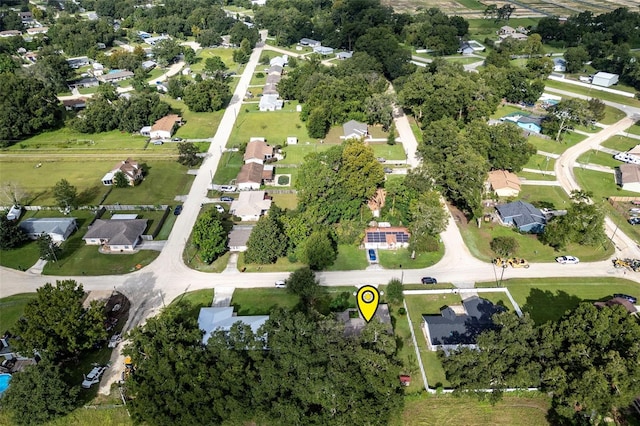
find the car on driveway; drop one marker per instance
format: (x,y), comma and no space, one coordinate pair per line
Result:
(388,170)
(176,139)
(634,220)
(429,280)
(627,297)
(93,377)
(571,260)
(177,210)
(219,208)
(372,255)
(281,284)
(228,188)
(226,199)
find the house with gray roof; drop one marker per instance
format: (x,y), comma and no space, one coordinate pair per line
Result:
(354,323)
(58,228)
(309,42)
(270,103)
(116,235)
(354,129)
(459,325)
(215,319)
(523,216)
(530,123)
(238,237)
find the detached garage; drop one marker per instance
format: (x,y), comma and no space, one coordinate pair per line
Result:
(604,79)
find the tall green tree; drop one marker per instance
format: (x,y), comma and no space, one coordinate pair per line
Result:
(267,241)
(319,251)
(65,194)
(207,96)
(11,235)
(38,395)
(428,219)
(303,283)
(188,154)
(56,325)
(48,249)
(209,236)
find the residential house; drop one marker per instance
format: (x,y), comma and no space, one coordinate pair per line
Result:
(148,65)
(605,79)
(97,69)
(92,16)
(146,131)
(258,2)
(215,319)
(74,104)
(131,170)
(465,48)
(522,215)
(155,40)
(78,62)
(258,151)
(113,77)
(25,17)
(618,301)
(116,235)
(279,60)
(271,89)
(353,326)
(504,183)
(530,123)
(387,238)
(58,228)
(275,70)
(459,325)
(323,50)
(10,33)
(344,55)
(506,30)
(238,237)
(250,176)
(270,102)
(37,30)
(559,65)
(309,42)
(143,35)
(164,127)
(84,83)
(354,129)
(250,205)
(628,177)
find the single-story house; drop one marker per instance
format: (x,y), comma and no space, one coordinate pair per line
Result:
(74,104)
(58,228)
(155,40)
(275,70)
(148,65)
(92,16)
(272,80)
(559,64)
(270,102)
(221,319)
(271,89)
(506,30)
(605,79)
(323,50)
(238,237)
(10,33)
(98,69)
(504,183)
(164,127)
(37,30)
(25,17)
(628,177)
(78,62)
(309,42)
(390,238)
(116,235)
(250,176)
(143,35)
(250,205)
(113,77)
(459,325)
(530,123)
(131,170)
(522,215)
(354,326)
(344,55)
(279,60)
(258,151)
(258,2)
(84,83)
(354,129)
(515,36)
(615,301)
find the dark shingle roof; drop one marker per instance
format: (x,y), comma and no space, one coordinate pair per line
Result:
(117,232)
(522,213)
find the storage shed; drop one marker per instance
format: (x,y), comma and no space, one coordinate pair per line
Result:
(605,79)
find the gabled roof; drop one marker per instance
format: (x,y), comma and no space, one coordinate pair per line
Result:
(250,173)
(499,179)
(461,326)
(270,100)
(391,235)
(354,326)
(606,75)
(258,149)
(166,123)
(630,307)
(354,127)
(629,173)
(250,203)
(53,225)
(521,212)
(116,75)
(129,167)
(117,232)
(212,319)
(239,235)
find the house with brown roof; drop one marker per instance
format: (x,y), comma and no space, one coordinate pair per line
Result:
(503,183)
(258,151)
(250,176)
(74,104)
(628,177)
(615,301)
(131,170)
(164,127)
(116,235)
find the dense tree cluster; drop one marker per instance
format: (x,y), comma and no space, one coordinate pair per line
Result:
(103,113)
(80,36)
(604,39)
(209,236)
(587,361)
(569,113)
(436,31)
(297,369)
(11,235)
(207,95)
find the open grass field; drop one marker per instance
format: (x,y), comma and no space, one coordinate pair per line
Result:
(401,259)
(294,154)
(198,125)
(11,309)
(620,143)
(224,53)
(477,240)
(550,145)
(547,299)
(390,152)
(66,139)
(282,265)
(20,258)
(349,258)
(635,129)
(87,261)
(261,301)
(540,162)
(535,176)
(602,184)
(551,194)
(285,201)
(605,96)
(228,168)
(598,157)
(276,126)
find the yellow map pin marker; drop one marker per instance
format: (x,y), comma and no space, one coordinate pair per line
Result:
(368,299)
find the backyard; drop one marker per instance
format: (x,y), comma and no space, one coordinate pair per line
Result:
(198,125)
(274,126)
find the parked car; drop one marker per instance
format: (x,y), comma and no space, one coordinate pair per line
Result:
(157,142)
(635,203)
(93,377)
(634,210)
(228,188)
(567,259)
(429,280)
(177,210)
(381,159)
(372,255)
(219,208)
(226,199)
(634,220)
(626,296)
(388,170)
(281,284)
(176,139)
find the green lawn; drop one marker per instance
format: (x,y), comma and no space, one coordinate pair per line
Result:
(598,157)
(258,81)
(620,143)
(85,260)
(550,145)
(602,184)
(282,265)
(401,258)
(11,309)
(21,258)
(285,201)
(389,152)
(199,125)
(66,139)
(600,94)
(261,301)
(548,299)
(634,129)
(228,168)
(349,258)
(535,176)
(464,60)
(225,54)
(552,194)
(612,115)
(275,126)
(540,162)
(294,154)
(504,110)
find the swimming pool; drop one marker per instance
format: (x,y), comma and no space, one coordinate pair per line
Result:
(4,382)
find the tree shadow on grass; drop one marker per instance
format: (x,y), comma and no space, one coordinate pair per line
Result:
(89,196)
(545,305)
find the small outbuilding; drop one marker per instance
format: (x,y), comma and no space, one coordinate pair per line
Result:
(605,79)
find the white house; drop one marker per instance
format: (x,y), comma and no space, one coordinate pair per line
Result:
(354,129)
(559,65)
(116,235)
(270,103)
(279,60)
(309,42)
(323,50)
(58,228)
(605,79)
(250,205)
(628,177)
(214,319)
(164,127)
